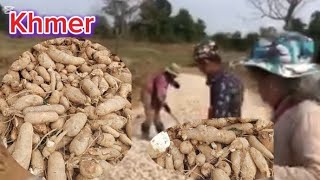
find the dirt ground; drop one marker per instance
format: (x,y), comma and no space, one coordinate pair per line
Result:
(188,103)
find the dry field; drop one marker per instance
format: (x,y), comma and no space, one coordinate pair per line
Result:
(191,102)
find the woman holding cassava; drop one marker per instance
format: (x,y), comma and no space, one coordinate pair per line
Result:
(288,81)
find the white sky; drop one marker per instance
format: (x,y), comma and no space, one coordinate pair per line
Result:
(219,15)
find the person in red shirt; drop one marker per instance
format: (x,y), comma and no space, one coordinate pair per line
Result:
(154,97)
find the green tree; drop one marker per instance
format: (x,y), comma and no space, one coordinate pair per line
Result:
(314,26)
(236,35)
(314,32)
(155,23)
(297,25)
(223,40)
(152,8)
(268,31)
(184,26)
(3,20)
(121,11)
(102,27)
(237,42)
(251,38)
(200,28)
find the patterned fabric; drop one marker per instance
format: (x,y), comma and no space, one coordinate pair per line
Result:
(226,93)
(289,55)
(205,50)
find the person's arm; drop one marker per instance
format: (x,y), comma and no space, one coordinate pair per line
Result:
(210,112)
(175,84)
(160,85)
(167,108)
(305,145)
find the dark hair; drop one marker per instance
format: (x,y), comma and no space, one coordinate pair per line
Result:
(290,83)
(257,72)
(216,58)
(300,88)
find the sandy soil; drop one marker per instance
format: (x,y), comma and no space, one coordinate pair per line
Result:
(191,102)
(138,165)
(188,103)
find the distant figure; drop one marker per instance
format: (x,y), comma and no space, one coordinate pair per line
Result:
(226,90)
(154,97)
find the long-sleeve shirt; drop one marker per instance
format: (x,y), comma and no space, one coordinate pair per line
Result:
(226,95)
(297,142)
(157,86)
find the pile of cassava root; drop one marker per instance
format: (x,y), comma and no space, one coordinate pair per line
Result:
(219,149)
(65,109)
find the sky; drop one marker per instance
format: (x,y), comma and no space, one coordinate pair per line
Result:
(219,15)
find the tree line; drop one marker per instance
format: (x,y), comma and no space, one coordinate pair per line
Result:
(242,42)
(146,20)
(3,20)
(278,10)
(153,20)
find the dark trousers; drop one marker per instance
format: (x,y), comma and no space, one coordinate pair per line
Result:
(152,115)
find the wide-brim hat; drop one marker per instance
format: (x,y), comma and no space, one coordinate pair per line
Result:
(173,69)
(290,56)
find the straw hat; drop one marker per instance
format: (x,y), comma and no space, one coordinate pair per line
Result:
(173,69)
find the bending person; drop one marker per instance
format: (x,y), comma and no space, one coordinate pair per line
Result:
(154,97)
